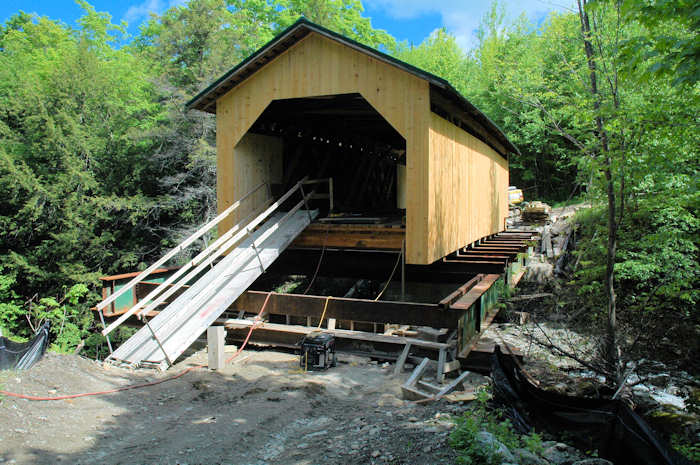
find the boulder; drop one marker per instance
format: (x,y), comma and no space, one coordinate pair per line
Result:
(559,453)
(593,461)
(525,457)
(489,441)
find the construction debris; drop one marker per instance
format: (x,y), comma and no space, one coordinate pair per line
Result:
(419,389)
(536,212)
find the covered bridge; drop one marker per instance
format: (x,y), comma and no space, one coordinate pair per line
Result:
(403,147)
(395,160)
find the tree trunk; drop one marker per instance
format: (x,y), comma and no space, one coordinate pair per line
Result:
(610,349)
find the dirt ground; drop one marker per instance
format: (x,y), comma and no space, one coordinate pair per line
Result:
(261,410)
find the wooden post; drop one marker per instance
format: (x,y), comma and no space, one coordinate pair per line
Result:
(402,359)
(441,366)
(403,270)
(216,337)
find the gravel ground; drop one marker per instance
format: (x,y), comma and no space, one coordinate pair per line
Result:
(262,410)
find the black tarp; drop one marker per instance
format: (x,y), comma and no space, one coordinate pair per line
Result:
(610,426)
(22,355)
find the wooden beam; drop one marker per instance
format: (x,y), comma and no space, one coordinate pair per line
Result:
(460,291)
(351,236)
(475,293)
(234,323)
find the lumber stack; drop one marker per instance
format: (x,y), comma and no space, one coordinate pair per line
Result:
(536,212)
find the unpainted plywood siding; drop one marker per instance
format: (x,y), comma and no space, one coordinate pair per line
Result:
(259,160)
(468,189)
(318,66)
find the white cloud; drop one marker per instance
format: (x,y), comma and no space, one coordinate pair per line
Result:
(462,17)
(140,12)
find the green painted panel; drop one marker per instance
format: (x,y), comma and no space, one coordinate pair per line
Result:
(126,300)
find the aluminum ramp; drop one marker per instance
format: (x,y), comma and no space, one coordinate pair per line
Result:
(164,338)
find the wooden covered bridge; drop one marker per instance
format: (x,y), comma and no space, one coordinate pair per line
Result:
(336,160)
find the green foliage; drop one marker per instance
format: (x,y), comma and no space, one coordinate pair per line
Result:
(657,277)
(101,168)
(439,54)
(690,449)
(667,44)
(10,305)
(72,163)
(70,320)
(481,418)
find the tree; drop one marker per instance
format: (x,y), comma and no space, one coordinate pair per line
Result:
(440,54)
(190,46)
(669,37)
(74,181)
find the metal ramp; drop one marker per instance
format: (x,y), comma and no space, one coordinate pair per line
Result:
(253,246)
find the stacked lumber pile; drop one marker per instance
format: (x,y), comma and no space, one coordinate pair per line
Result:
(536,212)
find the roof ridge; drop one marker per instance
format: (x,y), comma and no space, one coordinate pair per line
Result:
(197,102)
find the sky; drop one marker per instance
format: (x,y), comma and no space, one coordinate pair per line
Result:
(409,20)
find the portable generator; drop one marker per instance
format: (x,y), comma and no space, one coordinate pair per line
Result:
(317,351)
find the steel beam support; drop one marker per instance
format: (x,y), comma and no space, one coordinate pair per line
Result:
(407,313)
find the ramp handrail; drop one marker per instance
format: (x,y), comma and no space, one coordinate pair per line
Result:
(207,256)
(178,248)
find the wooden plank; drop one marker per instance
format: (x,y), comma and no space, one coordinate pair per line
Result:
(442,356)
(408,389)
(402,359)
(258,160)
(417,372)
(235,323)
(453,385)
(351,236)
(460,291)
(475,293)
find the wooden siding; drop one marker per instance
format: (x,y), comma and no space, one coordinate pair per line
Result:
(258,160)
(468,189)
(317,66)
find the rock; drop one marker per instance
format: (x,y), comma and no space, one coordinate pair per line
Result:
(660,380)
(593,461)
(669,420)
(539,272)
(525,457)
(488,440)
(560,454)
(389,400)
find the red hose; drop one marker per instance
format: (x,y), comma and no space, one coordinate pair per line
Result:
(142,385)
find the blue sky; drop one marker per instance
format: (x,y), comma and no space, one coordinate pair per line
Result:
(411,20)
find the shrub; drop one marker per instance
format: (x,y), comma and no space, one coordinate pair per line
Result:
(70,318)
(482,418)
